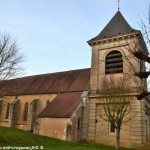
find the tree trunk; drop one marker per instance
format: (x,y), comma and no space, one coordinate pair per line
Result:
(142,74)
(142,95)
(117,138)
(140,55)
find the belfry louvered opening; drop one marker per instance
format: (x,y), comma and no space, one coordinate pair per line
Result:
(114,62)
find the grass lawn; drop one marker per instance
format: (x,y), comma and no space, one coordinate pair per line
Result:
(14,137)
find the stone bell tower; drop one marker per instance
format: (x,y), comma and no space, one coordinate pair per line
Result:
(112,55)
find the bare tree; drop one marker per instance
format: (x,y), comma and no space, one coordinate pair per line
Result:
(136,61)
(10,57)
(116,105)
(10,60)
(142,56)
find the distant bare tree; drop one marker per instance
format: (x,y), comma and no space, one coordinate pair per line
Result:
(137,60)
(116,105)
(137,49)
(142,56)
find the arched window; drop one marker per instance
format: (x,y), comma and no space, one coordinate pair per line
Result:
(79,124)
(7,111)
(69,132)
(47,102)
(114,62)
(25,112)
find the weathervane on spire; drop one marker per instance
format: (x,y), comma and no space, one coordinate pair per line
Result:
(118,4)
(149,14)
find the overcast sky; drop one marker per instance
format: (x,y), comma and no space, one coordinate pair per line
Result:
(53,33)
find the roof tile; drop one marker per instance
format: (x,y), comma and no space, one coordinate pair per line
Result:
(69,81)
(116,26)
(63,106)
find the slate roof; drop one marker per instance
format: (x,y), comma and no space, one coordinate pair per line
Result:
(116,26)
(63,106)
(69,81)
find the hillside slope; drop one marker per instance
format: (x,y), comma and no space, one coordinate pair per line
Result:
(13,138)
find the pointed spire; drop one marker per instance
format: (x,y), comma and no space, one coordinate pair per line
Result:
(149,14)
(116,26)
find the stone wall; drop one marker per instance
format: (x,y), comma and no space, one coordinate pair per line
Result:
(52,127)
(19,123)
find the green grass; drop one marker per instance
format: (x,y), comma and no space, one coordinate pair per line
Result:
(14,137)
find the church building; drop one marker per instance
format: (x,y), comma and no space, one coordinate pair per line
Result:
(64,105)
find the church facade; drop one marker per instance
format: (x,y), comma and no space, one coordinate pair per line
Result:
(65,105)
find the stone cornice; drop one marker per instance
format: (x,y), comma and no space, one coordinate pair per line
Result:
(112,39)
